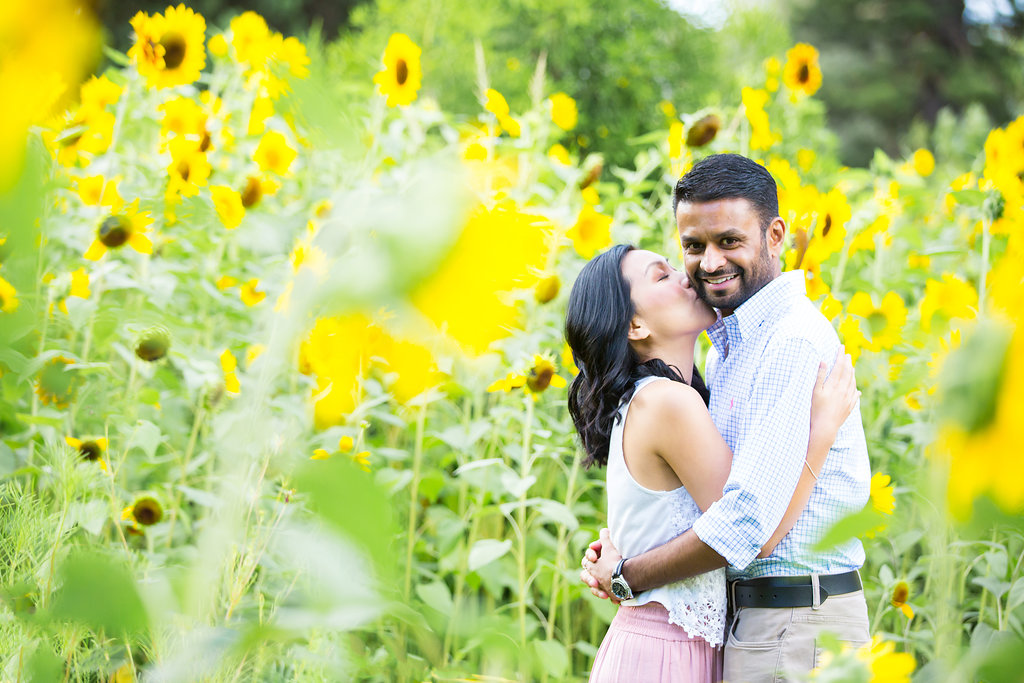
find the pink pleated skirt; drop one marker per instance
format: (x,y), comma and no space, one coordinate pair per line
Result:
(641,645)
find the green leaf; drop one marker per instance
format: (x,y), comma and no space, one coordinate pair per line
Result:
(99,592)
(436,595)
(349,500)
(147,437)
(553,656)
(558,513)
(487,550)
(116,56)
(1016,596)
(969,197)
(851,526)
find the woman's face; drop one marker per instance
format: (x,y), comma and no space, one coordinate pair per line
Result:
(666,303)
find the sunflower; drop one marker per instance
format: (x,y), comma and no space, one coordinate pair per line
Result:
(249,293)
(900,593)
(90,449)
(399,81)
(885,323)
(228,204)
(830,231)
(802,75)
(229,364)
(146,511)
(55,384)
(169,49)
(703,131)
(591,233)
(124,225)
(542,375)
(8,296)
(79,288)
(274,153)
(189,169)
(563,111)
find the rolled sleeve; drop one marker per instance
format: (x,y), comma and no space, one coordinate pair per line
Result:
(767,462)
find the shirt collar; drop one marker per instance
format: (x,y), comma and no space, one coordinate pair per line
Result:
(766,304)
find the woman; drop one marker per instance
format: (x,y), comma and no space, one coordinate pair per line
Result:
(640,407)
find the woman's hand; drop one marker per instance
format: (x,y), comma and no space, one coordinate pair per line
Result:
(834,397)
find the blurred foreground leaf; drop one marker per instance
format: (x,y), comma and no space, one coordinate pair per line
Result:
(348,499)
(99,592)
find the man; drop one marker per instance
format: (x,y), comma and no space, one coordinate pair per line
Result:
(766,347)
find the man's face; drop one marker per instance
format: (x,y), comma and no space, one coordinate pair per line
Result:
(726,254)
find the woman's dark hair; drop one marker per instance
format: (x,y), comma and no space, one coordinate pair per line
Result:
(596,327)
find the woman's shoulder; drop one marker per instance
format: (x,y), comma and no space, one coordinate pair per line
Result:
(665,398)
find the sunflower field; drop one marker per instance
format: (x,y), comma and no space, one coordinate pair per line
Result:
(282,370)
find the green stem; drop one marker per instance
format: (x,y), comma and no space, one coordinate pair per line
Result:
(414,485)
(189,450)
(524,472)
(986,245)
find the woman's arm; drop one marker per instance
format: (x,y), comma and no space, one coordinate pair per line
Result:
(832,402)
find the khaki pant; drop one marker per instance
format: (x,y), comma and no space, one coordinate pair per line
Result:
(767,645)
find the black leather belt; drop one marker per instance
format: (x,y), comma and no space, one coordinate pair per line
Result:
(791,591)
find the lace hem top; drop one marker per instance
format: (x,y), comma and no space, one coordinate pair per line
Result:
(640,519)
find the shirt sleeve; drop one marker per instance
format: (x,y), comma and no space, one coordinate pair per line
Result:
(767,462)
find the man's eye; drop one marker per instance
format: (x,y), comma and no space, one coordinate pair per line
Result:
(691,247)
(663,277)
(729,241)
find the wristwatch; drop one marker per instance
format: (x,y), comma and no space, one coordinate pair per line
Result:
(620,589)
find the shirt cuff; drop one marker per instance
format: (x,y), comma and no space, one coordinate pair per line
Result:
(725,541)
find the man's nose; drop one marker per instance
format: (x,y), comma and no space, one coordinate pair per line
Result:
(711,260)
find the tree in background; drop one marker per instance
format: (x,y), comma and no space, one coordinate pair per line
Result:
(619,61)
(889,63)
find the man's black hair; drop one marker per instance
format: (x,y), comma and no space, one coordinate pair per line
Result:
(729,176)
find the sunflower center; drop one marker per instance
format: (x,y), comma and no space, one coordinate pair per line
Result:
(90,450)
(114,231)
(540,379)
(252,193)
(147,512)
(205,143)
(183,169)
(828,225)
(401,72)
(877,322)
(174,50)
(804,74)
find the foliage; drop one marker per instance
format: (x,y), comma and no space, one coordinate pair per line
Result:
(301,416)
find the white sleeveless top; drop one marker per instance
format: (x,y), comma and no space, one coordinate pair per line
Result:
(640,519)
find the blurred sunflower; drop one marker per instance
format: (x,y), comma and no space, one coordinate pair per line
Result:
(543,374)
(125,225)
(146,511)
(8,296)
(882,498)
(885,322)
(829,236)
(189,168)
(153,343)
(90,449)
(249,293)
(948,298)
(169,48)
(802,75)
(900,593)
(563,111)
(591,233)
(79,288)
(885,663)
(546,289)
(399,81)
(55,384)
(229,366)
(228,204)
(274,153)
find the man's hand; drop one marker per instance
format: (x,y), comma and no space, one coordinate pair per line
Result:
(599,562)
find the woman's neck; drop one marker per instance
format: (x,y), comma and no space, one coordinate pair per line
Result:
(678,355)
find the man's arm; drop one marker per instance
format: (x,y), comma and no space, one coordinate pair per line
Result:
(766,467)
(682,557)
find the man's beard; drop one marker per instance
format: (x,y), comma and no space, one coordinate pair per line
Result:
(750,281)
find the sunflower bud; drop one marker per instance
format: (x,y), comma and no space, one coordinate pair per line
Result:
(703,131)
(546,289)
(592,175)
(153,343)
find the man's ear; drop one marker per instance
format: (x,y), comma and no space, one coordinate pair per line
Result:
(775,236)
(637,330)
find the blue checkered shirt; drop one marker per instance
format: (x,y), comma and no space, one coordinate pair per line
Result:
(761,371)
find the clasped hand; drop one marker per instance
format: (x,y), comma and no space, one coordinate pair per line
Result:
(598,563)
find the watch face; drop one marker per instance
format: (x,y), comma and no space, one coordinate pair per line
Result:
(619,590)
